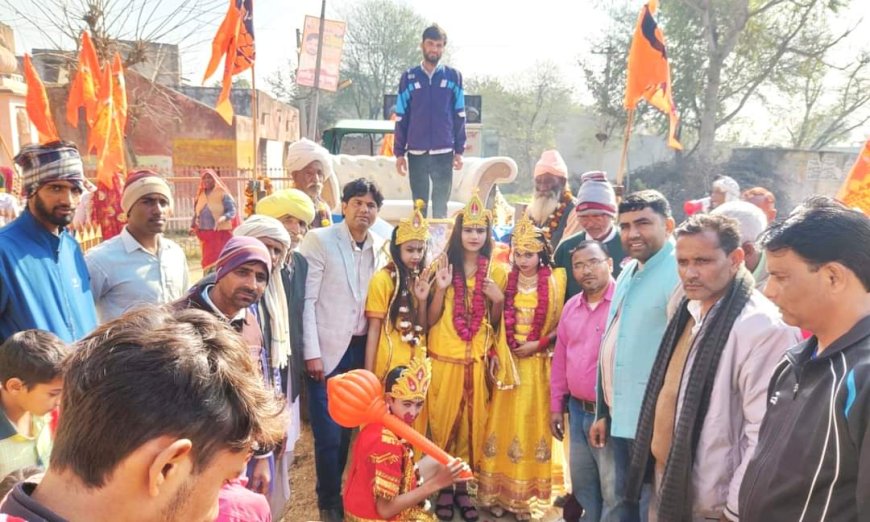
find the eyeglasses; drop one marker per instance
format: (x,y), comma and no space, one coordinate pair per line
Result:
(589,265)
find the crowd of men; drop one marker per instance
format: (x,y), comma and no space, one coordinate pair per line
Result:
(679,359)
(709,370)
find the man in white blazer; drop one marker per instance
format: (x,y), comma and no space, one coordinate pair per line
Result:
(341,261)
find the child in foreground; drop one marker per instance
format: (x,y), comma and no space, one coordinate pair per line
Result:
(383,482)
(30,385)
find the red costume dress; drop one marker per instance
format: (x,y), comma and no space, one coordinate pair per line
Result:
(382,467)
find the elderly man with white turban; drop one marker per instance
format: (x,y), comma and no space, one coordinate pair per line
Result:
(310,165)
(140,265)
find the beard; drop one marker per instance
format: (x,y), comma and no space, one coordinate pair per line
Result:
(432,58)
(543,205)
(52,215)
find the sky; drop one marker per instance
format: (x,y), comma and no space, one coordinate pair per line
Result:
(480,43)
(486,37)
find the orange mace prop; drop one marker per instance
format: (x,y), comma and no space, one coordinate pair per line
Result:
(357,397)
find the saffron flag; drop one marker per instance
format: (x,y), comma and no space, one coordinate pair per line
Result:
(36,104)
(83,90)
(234,42)
(107,134)
(119,93)
(649,75)
(855,191)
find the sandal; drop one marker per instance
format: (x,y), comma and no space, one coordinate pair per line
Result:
(444,511)
(467,510)
(523,516)
(497,511)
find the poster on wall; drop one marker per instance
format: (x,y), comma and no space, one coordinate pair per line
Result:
(330,60)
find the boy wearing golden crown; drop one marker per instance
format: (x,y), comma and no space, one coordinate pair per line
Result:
(516,471)
(464,307)
(397,300)
(383,482)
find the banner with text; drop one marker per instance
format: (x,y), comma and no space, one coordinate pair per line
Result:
(330,60)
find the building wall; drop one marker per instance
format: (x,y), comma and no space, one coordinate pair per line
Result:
(797,174)
(162,62)
(168,131)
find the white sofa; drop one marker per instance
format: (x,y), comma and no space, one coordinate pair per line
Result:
(483,173)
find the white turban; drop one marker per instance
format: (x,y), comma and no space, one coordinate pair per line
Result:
(303,152)
(260,226)
(275,298)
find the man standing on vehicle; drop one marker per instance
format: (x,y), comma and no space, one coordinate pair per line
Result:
(430,124)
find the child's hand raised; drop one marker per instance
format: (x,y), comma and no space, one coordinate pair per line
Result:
(443,273)
(422,284)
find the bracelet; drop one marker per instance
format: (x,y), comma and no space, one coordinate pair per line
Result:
(543,343)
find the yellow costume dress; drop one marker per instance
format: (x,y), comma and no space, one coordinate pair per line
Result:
(517,470)
(458,395)
(392,350)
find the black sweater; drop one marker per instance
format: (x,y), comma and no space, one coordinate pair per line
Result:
(812,461)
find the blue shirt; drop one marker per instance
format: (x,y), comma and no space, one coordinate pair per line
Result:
(44,282)
(641,300)
(430,111)
(124,274)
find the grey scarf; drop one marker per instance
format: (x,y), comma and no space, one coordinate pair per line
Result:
(675,489)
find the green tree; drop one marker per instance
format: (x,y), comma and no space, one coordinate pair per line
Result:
(726,53)
(383,39)
(283,85)
(526,115)
(833,103)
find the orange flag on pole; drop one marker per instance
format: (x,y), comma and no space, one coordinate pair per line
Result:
(649,75)
(234,42)
(36,104)
(119,92)
(107,134)
(83,90)
(855,191)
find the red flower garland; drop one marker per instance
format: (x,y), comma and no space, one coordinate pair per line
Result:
(461,314)
(510,313)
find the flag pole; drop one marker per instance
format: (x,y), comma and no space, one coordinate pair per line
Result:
(255,104)
(624,158)
(312,119)
(255,116)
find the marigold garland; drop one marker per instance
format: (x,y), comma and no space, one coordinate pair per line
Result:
(510,312)
(261,181)
(555,217)
(461,313)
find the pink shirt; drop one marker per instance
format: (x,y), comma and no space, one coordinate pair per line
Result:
(578,341)
(240,504)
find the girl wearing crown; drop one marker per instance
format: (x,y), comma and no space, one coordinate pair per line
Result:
(516,470)
(466,303)
(397,300)
(383,482)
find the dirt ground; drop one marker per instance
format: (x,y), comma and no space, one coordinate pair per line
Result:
(303,503)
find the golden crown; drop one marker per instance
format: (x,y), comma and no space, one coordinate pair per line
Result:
(415,227)
(525,236)
(475,213)
(413,384)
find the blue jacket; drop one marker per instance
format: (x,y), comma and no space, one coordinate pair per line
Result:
(642,298)
(430,112)
(44,282)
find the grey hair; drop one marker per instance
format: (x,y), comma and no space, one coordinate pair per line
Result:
(752,220)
